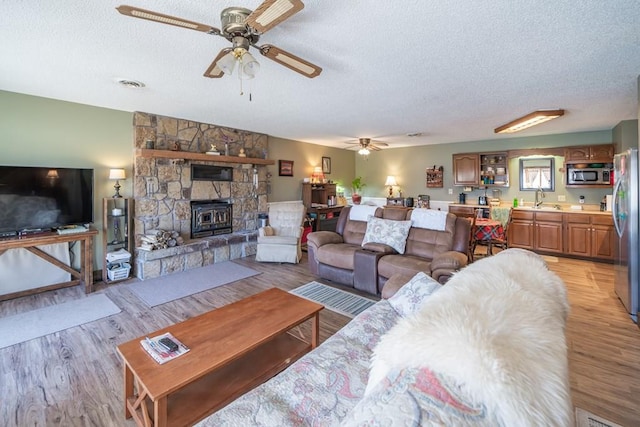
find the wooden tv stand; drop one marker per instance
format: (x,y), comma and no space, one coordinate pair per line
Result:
(82,276)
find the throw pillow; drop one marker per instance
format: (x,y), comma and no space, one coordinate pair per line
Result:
(386,231)
(410,297)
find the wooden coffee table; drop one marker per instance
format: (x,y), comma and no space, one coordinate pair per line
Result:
(233,349)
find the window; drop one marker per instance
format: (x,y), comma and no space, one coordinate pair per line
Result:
(537,173)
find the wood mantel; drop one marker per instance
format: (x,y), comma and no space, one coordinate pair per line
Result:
(188,155)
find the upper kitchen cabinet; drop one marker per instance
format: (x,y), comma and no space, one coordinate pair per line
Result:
(481,169)
(466,169)
(590,153)
(494,169)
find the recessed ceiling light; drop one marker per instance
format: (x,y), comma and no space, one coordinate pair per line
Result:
(132,84)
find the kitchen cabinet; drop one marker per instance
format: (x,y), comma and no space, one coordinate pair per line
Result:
(494,169)
(466,169)
(481,169)
(548,232)
(521,229)
(538,231)
(116,238)
(590,236)
(591,153)
(317,194)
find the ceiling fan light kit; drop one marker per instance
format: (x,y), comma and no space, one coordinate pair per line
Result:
(531,119)
(243,29)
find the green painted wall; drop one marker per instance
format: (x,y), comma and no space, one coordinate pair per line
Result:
(409,165)
(305,157)
(625,135)
(38,131)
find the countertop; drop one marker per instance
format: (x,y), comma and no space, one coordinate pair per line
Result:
(546,207)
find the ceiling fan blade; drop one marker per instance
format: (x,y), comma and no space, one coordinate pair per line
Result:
(149,15)
(290,61)
(214,71)
(373,147)
(272,12)
(379,143)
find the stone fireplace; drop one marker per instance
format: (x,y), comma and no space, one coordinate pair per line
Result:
(164,191)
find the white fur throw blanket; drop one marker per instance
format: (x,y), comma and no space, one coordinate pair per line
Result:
(497,329)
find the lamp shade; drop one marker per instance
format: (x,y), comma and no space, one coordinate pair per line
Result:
(249,66)
(391,180)
(227,63)
(116,174)
(52,174)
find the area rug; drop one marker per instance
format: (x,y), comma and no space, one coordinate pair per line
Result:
(44,321)
(587,419)
(333,299)
(179,285)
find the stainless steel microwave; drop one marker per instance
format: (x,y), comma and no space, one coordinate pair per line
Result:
(589,176)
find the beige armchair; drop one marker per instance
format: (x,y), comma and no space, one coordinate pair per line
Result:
(280,241)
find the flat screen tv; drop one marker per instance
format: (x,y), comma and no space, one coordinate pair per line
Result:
(36,199)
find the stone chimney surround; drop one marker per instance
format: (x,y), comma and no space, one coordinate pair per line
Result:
(163,189)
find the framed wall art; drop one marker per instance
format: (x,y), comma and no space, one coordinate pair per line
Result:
(434,177)
(285,167)
(326,165)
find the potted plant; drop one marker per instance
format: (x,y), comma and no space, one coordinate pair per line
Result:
(356,187)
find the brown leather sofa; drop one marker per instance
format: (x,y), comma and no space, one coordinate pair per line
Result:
(339,256)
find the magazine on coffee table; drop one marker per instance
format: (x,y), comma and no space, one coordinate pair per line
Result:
(160,351)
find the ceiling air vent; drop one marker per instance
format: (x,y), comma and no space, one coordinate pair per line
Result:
(133,84)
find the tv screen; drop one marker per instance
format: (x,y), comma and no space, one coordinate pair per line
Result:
(39,199)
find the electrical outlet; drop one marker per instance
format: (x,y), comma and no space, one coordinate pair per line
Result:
(562,198)
(451,191)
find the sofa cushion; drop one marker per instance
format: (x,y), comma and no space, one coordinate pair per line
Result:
(278,240)
(403,264)
(388,232)
(338,255)
(412,295)
(428,243)
(418,396)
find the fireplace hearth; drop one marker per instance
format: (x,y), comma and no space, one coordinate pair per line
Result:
(211,218)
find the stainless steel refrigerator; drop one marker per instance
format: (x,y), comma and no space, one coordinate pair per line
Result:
(626,218)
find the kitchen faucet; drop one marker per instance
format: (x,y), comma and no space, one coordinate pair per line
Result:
(539,197)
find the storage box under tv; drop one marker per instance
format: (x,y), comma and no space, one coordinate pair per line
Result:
(118,270)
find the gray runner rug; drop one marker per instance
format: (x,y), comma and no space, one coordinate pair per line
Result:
(179,285)
(333,299)
(44,321)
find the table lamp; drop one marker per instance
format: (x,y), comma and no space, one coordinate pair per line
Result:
(117,174)
(391,181)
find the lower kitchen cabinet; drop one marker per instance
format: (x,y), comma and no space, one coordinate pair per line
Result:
(548,232)
(590,236)
(521,230)
(576,234)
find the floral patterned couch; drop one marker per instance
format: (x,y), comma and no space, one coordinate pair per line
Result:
(327,386)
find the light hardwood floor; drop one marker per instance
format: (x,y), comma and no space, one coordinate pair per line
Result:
(74,377)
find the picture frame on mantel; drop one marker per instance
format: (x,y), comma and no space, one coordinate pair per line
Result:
(285,167)
(326,165)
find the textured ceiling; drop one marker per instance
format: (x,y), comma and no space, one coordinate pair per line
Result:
(453,70)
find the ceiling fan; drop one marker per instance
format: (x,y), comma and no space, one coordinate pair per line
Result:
(243,28)
(366,145)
